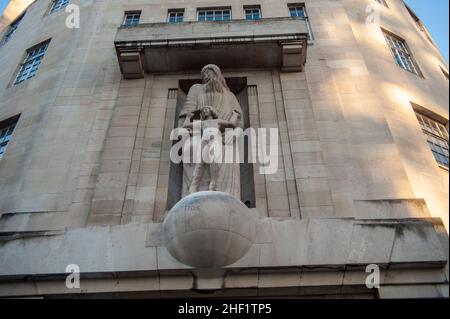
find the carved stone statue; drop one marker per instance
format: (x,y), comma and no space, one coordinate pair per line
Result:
(197,230)
(217,107)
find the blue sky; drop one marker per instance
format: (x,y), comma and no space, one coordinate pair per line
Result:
(433,13)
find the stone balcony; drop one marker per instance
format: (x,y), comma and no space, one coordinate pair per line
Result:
(234,45)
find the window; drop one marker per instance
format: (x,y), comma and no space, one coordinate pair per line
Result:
(175,15)
(6,131)
(58,5)
(437,137)
(299,11)
(31,62)
(401,53)
(445,72)
(12,28)
(131,18)
(382,2)
(214,14)
(252,13)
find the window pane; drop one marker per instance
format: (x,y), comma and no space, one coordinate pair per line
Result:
(175,16)
(131,18)
(12,28)
(58,5)
(437,141)
(297,11)
(252,13)
(401,54)
(6,132)
(31,63)
(214,15)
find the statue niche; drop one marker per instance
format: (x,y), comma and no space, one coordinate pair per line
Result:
(216,106)
(209,226)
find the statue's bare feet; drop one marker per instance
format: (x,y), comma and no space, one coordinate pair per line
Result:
(193,189)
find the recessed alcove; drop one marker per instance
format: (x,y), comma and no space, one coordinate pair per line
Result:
(237,85)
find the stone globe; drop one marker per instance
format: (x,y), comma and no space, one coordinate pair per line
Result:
(209,230)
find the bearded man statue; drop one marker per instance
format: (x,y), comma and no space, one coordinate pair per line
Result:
(214,94)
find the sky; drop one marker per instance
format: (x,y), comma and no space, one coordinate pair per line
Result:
(434,15)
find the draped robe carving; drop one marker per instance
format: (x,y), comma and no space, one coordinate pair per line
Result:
(213,93)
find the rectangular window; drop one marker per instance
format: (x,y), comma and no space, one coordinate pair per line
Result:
(252,12)
(58,5)
(437,137)
(6,131)
(382,2)
(401,53)
(214,14)
(31,63)
(12,28)
(175,15)
(131,18)
(299,11)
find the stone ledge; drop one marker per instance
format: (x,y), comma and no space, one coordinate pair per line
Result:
(263,282)
(234,44)
(313,243)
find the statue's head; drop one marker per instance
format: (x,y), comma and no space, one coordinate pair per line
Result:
(207,112)
(213,79)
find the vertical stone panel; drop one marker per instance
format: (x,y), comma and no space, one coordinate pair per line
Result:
(117,175)
(164,165)
(259,180)
(275,184)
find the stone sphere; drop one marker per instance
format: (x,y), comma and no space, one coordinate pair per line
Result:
(209,230)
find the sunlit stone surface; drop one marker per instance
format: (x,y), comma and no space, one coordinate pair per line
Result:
(87,178)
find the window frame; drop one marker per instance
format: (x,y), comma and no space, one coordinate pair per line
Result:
(176,12)
(55,8)
(253,7)
(131,13)
(401,49)
(7,125)
(32,60)
(435,130)
(296,6)
(444,72)
(12,28)
(214,9)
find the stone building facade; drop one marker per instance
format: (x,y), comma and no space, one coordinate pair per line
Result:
(85,173)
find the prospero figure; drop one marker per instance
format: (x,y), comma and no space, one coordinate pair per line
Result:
(212,128)
(218,108)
